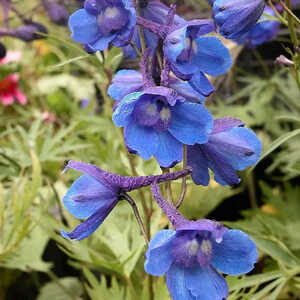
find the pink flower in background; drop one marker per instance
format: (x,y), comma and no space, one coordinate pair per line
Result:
(11,56)
(9,86)
(9,90)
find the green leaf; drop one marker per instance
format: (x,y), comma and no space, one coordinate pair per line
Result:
(67,288)
(28,255)
(278,142)
(236,283)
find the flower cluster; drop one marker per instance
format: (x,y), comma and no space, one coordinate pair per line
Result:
(162,110)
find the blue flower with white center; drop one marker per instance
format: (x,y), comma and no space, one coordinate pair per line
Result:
(193,55)
(195,252)
(234,18)
(125,82)
(264,31)
(230,148)
(158,121)
(103,21)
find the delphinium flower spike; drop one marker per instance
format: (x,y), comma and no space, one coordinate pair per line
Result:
(93,195)
(195,252)
(230,148)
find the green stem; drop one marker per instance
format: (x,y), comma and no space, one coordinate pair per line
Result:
(291,24)
(289,12)
(137,215)
(252,191)
(278,15)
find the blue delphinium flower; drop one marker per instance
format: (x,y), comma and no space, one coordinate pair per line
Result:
(125,82)
(157,12)
(230,147)
(158,120)
(264,31)
(193,253)
(193,55)
(102,22)
(235,17)
(93,195)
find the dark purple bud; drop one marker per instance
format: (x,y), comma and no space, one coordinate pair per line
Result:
(2,51)
(57,12)
(30,32)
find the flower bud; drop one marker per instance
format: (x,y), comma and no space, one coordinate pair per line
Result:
(57,12)
(236,17)
(30,32)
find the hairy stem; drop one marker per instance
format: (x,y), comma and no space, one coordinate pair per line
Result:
(183,184)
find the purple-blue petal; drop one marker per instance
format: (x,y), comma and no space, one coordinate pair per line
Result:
(86,196)
(184,89)
(201,84)
(176,283)
(217,229)
(236,254)
(142,139)
(125,82)
(191,123)
(224,173)
(124,36)
(197,160)
(158,255)
(169,150)
(224,124)
(102,42)
(239,146)
(212,57)
(205,283)
(84,26)
(87,227)
(122,114)
(174,43)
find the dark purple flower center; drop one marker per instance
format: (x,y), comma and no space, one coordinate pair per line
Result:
(112,18)
(191,248)
(152,110)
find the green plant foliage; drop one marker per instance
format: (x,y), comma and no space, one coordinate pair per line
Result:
(67,288)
